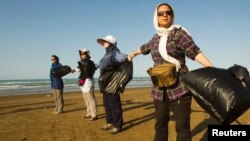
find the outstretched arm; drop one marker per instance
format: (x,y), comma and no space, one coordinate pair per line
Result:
(202,59)
(134,54)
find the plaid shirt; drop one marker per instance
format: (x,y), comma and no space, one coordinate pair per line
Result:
(179,45)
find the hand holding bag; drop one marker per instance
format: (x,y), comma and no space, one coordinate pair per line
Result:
(163,75)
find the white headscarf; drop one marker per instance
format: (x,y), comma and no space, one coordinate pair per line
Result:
(163,33)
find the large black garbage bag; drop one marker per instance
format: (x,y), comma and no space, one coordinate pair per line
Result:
(115,81)
(104,80)
(242,74)
(61,71)
(218,92)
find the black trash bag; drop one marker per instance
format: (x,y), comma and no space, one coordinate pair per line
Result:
(242,74)
(61,71)
(218,92)
(115,81)
(104,80)
(87,68)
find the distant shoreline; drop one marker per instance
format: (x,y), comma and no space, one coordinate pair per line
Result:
(40,86)
(66,92)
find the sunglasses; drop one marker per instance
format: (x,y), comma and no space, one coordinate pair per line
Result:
(83,53)
(161,13)
(52,59)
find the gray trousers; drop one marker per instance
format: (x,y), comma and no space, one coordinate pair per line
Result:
(58,97)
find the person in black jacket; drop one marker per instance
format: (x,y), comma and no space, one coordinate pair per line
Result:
(87,68)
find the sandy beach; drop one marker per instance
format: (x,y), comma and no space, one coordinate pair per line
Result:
(29,118)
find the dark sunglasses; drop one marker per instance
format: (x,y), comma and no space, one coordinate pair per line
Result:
(52,59)
(83,53)
(161,13)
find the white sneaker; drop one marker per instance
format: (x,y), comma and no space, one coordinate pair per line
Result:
(106,126)
(115,130)
(58,112)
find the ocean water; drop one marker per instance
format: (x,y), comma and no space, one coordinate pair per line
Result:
(39,86)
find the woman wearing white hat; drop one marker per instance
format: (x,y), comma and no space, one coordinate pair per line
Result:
(87,68)
(111,101)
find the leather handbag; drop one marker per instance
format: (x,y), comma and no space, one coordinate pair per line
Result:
(163,75)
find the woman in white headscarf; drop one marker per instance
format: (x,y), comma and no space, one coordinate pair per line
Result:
(171,44)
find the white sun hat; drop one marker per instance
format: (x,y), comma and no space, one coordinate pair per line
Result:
(108,38)
(84,50)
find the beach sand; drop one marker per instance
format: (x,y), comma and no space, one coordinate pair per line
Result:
(29,118)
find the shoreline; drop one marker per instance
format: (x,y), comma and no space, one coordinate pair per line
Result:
(30,86)
(69,91)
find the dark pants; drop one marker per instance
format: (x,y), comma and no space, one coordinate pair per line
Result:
(181,109)
(113,109)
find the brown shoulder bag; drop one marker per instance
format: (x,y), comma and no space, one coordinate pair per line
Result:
(163,75)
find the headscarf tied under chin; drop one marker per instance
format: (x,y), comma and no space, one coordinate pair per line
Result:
(163,33)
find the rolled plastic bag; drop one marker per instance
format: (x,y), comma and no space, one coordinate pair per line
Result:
(242,74)
(115,81)
(218,92)
(87,68)
(61,71)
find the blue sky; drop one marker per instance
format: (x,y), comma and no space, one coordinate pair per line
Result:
(32,30)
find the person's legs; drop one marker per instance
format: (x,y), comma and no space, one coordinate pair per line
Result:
(182,111)
(86,104)
(60,100)
(162,111)
(116,110)
(55,99)
(107,107)
(92,103)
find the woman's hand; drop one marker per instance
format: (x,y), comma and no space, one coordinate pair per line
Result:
(132,55)
(129,58)
(72,71)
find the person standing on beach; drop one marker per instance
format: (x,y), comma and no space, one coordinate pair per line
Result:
(57,86)
(111,101)
(171,43)
(87,68)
